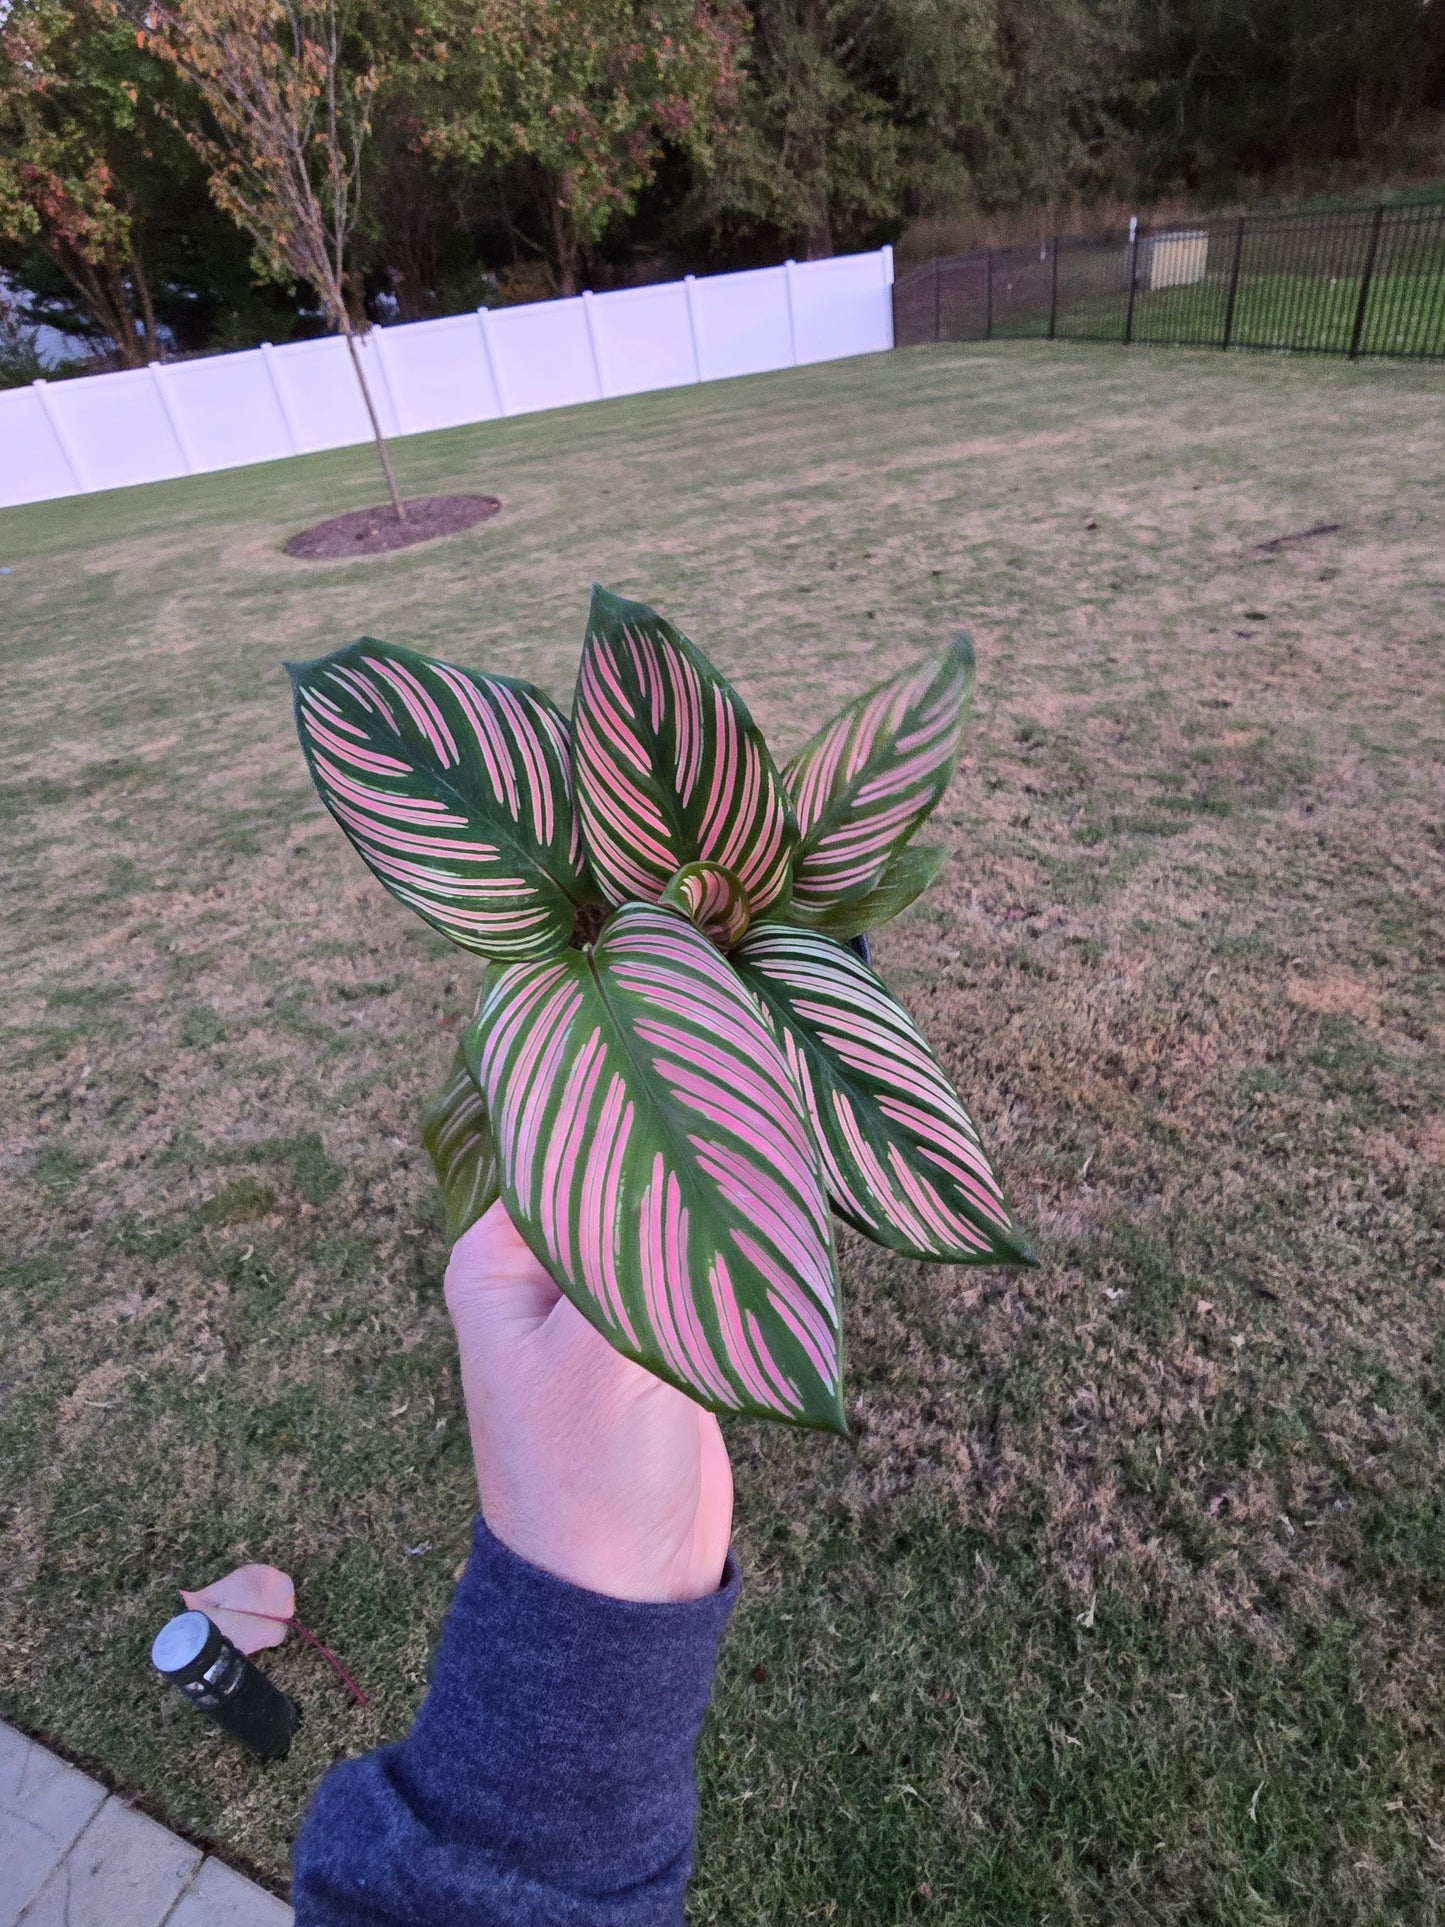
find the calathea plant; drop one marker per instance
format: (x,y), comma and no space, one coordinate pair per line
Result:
(677,1064)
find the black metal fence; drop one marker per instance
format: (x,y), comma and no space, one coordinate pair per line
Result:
(1367,281)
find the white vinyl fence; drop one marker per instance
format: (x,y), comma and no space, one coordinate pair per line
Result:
(191,417)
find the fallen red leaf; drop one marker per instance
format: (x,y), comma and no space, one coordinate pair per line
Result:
(253,1606)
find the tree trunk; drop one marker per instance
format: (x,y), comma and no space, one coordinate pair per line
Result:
(102,295)
(818,234)
(381,454)
(353,293)
(812,138)
(566,254)
(411,285)
(141,288)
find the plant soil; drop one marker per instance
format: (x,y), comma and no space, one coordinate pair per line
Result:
(374,531)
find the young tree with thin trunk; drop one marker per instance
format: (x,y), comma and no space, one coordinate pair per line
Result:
(288,99)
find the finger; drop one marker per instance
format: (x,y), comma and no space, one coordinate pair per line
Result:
(494,1275)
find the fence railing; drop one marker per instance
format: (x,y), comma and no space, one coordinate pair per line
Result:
(180,418)
(1365,281)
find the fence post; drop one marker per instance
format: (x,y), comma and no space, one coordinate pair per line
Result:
(268,357)
(988,294)
(688,285)
(1133,284)
(937,304)
(790,268)
(63,442)
(1366,276)
(1054,290)
(493,370)
(592,345)
(1228,334)
(172,415)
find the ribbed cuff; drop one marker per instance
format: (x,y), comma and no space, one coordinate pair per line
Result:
(560,1724)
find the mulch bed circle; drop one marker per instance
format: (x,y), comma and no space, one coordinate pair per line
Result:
(375,530)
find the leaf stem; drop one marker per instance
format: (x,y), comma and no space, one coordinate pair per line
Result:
(305,1632)
(332,1661)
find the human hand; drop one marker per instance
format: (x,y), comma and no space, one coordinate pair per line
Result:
(587,1465)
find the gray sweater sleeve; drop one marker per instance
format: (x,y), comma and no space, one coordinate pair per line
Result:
(548,1780)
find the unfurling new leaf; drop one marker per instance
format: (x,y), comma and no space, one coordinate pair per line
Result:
(713,899)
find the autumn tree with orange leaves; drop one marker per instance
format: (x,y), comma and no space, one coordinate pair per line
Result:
(66,100)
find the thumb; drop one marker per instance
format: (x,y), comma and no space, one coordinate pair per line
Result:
(494,1279)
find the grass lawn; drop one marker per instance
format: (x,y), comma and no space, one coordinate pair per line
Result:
(1123,1604)
(1405,314)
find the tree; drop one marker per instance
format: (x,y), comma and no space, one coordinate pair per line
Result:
(856,115)
(288,96)
(863,113)
(68,100)
(1059,122)
(577,99)
(1244,89)
(820,149)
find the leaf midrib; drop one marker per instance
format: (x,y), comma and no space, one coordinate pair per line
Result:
(665,793)
(522,851)
(667,1108)
(756,980)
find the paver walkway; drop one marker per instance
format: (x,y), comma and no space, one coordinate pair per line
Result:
(72,1855)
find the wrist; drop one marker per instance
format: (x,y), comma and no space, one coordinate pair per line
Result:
(597,1555)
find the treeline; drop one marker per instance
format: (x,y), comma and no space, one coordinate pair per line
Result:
(511,149)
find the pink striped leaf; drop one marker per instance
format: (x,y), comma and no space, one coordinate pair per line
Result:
(902,1158)
(655,1156)
(458,1140)
(907,877)
(454,787)
(867,780)
(669,767)
(713,899)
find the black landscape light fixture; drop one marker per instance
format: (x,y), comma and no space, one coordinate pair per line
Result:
(220,1681)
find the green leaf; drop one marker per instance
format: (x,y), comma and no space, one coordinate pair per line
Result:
(902,1158)
(907,877)
(655,1157)
(711,898)
(670,768)
(454,787)
(866,781)
(458,1141)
